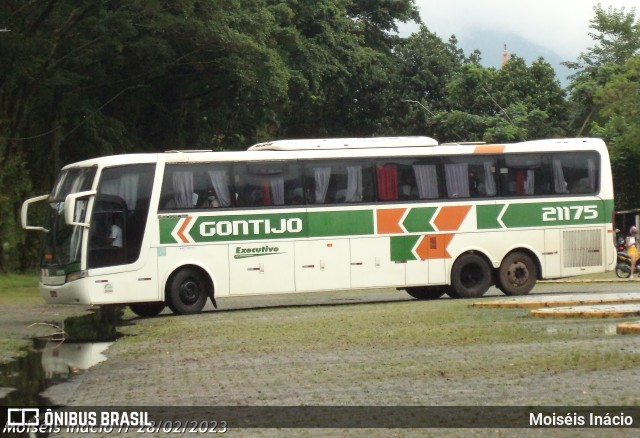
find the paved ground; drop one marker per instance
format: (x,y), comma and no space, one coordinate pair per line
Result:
(178,371)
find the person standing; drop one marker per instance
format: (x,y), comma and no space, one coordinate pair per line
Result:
(631,245)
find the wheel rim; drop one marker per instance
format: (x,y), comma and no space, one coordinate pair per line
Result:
(189,291)
(518,274)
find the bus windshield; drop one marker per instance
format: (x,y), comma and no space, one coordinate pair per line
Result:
(61,245)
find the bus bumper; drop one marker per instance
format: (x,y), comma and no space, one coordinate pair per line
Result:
(68,293)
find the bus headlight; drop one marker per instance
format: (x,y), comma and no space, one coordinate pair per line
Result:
(76,276)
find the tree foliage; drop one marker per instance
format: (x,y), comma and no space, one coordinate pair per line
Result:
(605,95)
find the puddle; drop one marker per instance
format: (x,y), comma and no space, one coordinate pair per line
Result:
(75,345)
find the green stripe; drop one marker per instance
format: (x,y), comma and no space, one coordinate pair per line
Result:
(401,247)
(167,224)
(340,223)
(419,219)
(224,228)
(271,226)
(539,214)
(487,216)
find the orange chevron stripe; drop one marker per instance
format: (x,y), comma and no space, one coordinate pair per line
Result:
(434,247)
(489,149)
(450,218)
(388,220)
(183,227)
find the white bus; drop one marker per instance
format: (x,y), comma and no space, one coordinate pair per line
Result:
(177,228)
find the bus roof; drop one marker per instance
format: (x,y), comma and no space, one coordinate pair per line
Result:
(344,143)
(346,148)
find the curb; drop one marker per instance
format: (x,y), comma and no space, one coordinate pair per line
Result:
(569,280)
(578,306)
(628,328)
(557,301)
(619,311)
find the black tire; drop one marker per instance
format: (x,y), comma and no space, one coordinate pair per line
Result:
(623,270)
(147,310)
(426,292)
(518,274)
(470,277)
(187,292)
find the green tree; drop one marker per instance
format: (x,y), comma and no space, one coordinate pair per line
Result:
(616,34)
(99,77)
(339,57)
(619,109)
(604,95)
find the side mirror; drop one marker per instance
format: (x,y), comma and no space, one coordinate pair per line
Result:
(75,209)
(24,213)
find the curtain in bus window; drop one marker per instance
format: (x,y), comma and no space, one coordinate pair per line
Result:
(354,184)
(321,177)
(110,187)
(489,182)
(593,173)
(559,183)
(427,180)
(129,189)
(183,194)
(266,193)
(529,182)
(125,187)
(387,182)
(276,184)
(520,182)
(457,178)
(220,184)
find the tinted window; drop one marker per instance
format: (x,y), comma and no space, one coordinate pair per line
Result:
(120,214)
(268,184)
(470,176)
(407,179)
(337,182)
(189,186)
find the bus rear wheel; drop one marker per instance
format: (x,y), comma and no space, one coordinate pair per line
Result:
(187,292)
(470,276)
(147,310)
(426,292)
(517,274)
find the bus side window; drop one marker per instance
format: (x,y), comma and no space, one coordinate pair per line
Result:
(397,180)
(470,176)
(387,182)
(293,185)
(216,187)
(269,184)
(354,182)
(178,191)
(482,180)
(318,176)
(578,172)
(525,175)
(337,182)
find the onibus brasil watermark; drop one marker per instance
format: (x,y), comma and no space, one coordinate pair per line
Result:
(35,420)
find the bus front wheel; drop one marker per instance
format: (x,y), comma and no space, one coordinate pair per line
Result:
(147,310)
(187,292)
(470,276)
(517,274)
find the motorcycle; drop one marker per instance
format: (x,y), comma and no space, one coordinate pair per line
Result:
(623,265)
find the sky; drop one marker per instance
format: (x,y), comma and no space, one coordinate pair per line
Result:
(561,26)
